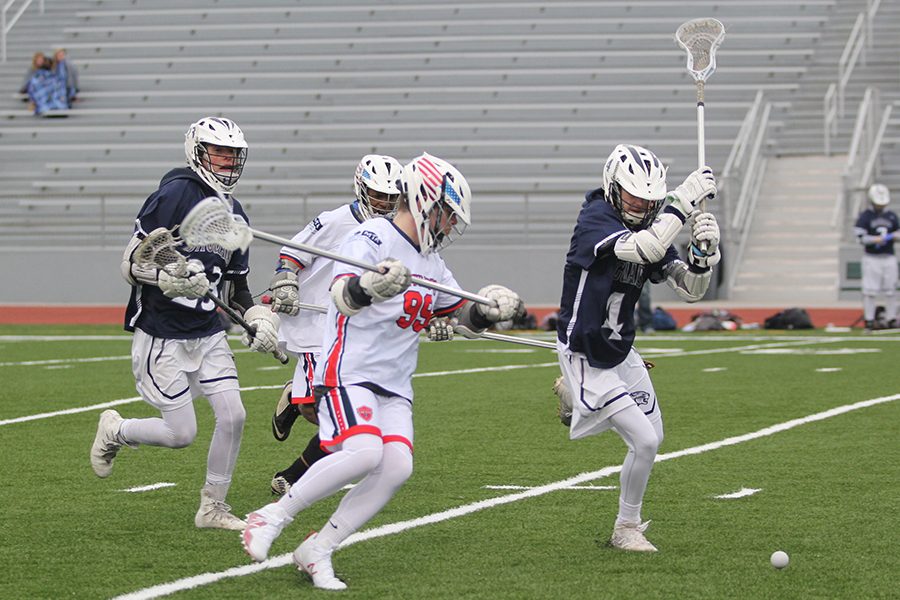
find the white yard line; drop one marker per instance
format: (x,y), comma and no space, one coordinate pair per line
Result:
(741,493)
(187,583)
(530,487)
(149,488)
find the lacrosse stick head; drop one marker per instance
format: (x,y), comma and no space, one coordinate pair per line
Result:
(700,38)
(160,250)
(210,223)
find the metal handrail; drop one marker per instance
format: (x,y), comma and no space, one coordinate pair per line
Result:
(865,178)
(741,185)
(852,51)
(861,119)
(5,26)
(830,111)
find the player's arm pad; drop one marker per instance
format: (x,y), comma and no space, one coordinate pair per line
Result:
(134,274)
(865,238)
(649,246)
(689,283)
(240,297)
(348,295)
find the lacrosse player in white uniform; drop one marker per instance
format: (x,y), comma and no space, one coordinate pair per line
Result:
(180,350)
(364,380)
(875,229)
(621,240)
(302,277)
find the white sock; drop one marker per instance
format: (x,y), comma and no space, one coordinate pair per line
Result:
(226,439)
(642,440)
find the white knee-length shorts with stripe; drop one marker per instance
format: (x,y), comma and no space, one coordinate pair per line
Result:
(597,394)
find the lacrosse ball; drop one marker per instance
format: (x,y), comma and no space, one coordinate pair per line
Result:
(779,559)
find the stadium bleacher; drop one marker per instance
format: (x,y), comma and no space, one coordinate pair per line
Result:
(527,98)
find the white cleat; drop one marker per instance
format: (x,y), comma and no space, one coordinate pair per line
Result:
(216,514)
(315,561)
(263,527)
(564,410)
(630,536)
(106,443)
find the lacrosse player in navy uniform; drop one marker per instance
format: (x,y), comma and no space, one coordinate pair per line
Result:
(302,277)
(875,229)
(179,350)
(623,237)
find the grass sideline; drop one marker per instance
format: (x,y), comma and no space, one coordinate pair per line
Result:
(828,489)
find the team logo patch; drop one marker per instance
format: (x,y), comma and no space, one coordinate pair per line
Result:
(365,413)
(316,224)
(641,398)
(372,236)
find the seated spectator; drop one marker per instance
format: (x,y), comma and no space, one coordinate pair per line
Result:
(47,91)
(67,71)
(38,61)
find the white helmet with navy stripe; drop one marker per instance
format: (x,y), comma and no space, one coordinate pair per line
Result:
(221,173)
(879,195)
(640,173)
(439,198)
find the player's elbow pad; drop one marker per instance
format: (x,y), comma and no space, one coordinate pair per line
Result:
(649,245)
(132,273)
(347,302)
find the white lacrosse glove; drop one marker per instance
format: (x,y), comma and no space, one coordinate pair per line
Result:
(506,299)
(440,330)
(285,293)
(699,185)
(192,284)
(393,280)
(705,229)
(265,322)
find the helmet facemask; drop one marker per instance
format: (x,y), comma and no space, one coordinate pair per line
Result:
(635,216)
(224,163)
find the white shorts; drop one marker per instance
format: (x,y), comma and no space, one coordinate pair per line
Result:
(170,373)
(597,394)
(879,273)
(302,386)
(347,411)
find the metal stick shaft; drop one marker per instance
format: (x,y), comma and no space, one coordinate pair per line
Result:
(514,340)
(268,237)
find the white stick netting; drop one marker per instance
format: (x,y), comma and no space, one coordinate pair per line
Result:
(210,223)
(159,249)
(700,38)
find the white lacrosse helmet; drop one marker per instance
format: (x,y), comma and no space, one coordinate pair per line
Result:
(220,132)
(879,195)
(433,186)
(639,172)
(382,174)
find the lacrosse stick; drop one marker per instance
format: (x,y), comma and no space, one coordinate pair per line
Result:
(159,250)
(701,38)
(267,299)
(210,223)
(499,337)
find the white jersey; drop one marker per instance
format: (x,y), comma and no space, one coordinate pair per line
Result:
(303,332)
(379,346)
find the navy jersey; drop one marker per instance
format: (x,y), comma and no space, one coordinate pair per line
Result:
(877,224)
(600,291)
(182,318)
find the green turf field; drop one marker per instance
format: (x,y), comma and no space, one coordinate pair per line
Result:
(485,416)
